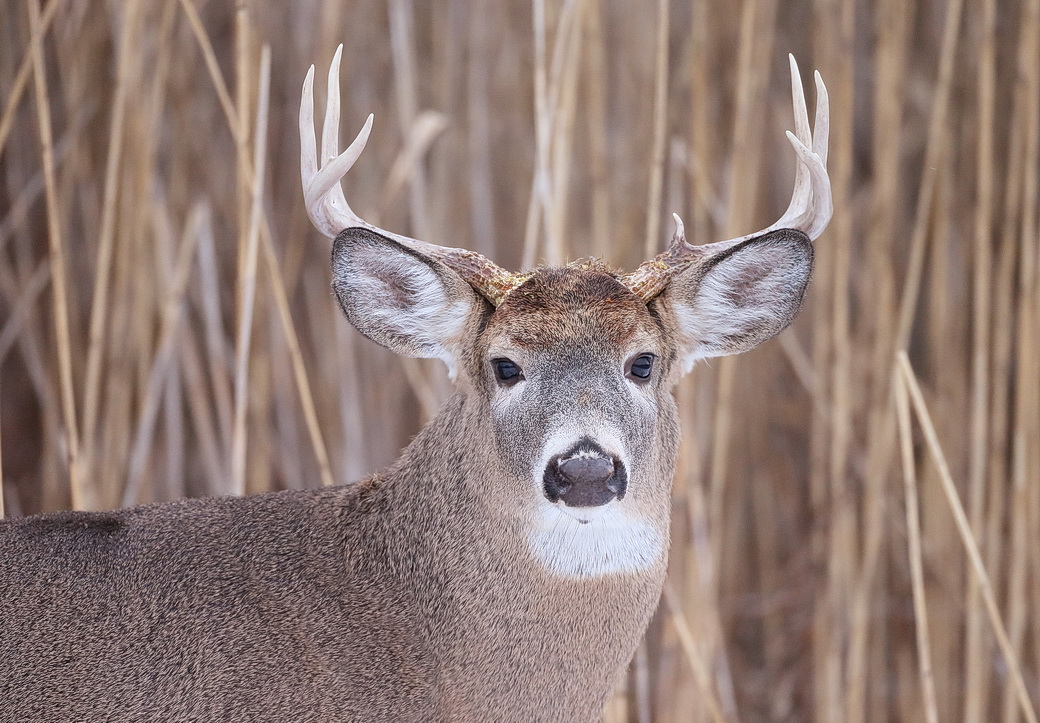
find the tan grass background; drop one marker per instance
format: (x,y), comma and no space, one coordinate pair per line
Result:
(138,244)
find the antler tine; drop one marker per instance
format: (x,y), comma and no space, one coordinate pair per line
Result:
(308,151)
(810,208)
(328,209)
(809,211)
(822,123)
(331,214)
(802,189)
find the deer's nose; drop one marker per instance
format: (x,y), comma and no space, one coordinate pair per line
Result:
(585,479)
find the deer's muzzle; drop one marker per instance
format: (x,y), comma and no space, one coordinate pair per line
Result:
(585,476)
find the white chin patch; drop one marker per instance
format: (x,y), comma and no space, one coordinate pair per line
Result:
(586,542)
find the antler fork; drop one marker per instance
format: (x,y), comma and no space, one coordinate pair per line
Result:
(331,214)
(809,211)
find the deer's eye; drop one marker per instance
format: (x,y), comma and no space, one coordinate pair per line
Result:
(507,372)
(639,368)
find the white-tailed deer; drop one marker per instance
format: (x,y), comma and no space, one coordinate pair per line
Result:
(504,568)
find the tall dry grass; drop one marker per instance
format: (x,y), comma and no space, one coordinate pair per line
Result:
(855,537)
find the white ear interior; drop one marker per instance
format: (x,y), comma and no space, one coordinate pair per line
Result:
(405,302)
(742,299)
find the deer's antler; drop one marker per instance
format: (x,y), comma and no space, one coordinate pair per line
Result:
(331,214)
(809,211)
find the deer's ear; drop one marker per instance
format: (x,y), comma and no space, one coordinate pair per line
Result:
(397,297)
(739,298)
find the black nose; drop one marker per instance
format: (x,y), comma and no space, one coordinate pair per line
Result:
(585,477)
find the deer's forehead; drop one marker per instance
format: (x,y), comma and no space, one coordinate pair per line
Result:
(572,305)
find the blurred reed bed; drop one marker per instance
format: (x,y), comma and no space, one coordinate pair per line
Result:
(857,506)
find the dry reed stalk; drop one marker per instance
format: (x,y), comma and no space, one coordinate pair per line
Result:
(217,354)
(288,329)
(702,201)
(14,96)
(701,670)
(832,430)
(913,527)
(1005,307)
(1027,401)
(248,280)
(561,101)
(249,357)
(31,341)
(976,673)
(541,122)
(652,242)
(402,44)
(700,594)
(99,309)
(935,152)
(596,111)
(420,134)
(1033,473)
(565,84)
(851,569)
(158,218)
(950,402)
(1015,610)
(299,370)
(161,372)
(478,135)
(80,494)
(175,446)
(199,406)
(168,480)
(964,530)
(213,67)
(283,455)
(354,457)
(243,75)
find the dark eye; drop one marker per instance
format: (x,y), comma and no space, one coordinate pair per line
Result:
(507,372)
(641,367)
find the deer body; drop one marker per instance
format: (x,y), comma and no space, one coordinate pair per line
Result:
(307,606)
(504,568)
(416,591)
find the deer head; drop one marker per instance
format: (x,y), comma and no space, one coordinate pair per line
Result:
(567,372)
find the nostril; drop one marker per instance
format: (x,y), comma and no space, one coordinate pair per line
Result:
(587,470)
(556,486)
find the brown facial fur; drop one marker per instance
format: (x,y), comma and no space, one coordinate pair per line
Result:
(548,306)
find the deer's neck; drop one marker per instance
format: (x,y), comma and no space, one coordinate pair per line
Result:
(484,597)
